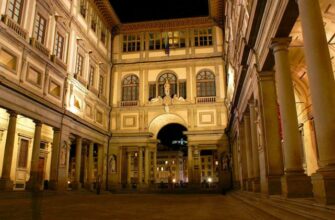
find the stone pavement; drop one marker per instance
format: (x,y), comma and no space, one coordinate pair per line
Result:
(86,205)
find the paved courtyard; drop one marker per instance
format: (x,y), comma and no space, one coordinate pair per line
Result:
(85,205)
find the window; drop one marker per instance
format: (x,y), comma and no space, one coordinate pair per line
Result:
(131,43)
(8,60)
(101,85)
(15,10)
(40,28)
(130,88)
(79,64)
(155,41)
(176,39)
(83,8)
(103,34)
(172,79)
(182,89)
(152,90)
(91,76)
(23,154)
(59,46)
(203,37)
(94,21)
(206,84)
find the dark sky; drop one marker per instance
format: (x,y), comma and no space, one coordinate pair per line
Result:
(170,133)
(146,10)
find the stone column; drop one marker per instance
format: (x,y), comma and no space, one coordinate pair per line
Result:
(190,164)
(76,183)
(322,87)
(254,144)
(100,160)
(268,131)
(53,183)
(294,183)
(129,168)
(33,183)
(146,165)
(243,157)
(90,173)
(248,150)
(140,166)
(5,182)
(119,165)
(155,165)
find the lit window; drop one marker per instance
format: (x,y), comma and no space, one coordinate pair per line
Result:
(15,10)
(59,46)
(40,28)
(130,88)
(206,84)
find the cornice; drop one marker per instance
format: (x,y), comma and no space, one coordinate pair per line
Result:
(171,24)
(216,11)
(107,11)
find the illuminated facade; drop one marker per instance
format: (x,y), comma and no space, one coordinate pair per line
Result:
(78,85)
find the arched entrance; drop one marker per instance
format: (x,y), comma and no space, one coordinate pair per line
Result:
(172,155)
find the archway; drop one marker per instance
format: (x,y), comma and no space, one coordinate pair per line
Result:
(172,155)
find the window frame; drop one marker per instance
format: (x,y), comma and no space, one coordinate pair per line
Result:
(60,50)
(130,41)
(203,37)
(206,87)
(44,31)
(132,86)
(20,14)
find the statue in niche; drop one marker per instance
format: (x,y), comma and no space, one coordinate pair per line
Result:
(167,98)
(112,164)
(63,154)
(259,127)
(167,88)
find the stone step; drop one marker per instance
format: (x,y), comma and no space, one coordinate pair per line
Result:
(303,207)
(271,209)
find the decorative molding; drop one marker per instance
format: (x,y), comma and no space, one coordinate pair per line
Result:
(173,24)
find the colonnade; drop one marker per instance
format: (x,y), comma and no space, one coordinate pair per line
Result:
(277,160)
(84,161)
(139,165)
(6,183)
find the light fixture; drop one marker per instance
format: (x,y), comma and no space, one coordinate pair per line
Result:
(174,180)
(209,179)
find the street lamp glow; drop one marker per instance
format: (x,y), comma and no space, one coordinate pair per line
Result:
(209,180)
(174,180)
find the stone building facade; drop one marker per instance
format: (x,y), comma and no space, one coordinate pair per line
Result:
(253,81)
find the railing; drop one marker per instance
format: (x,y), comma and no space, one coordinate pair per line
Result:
(39,46)
(129,103)
(209,99)
(14,26)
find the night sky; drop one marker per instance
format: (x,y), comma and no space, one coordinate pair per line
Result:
(170,133)
(146,10)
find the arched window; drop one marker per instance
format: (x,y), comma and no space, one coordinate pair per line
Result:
(206,84)
(130,88)
(172,81)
